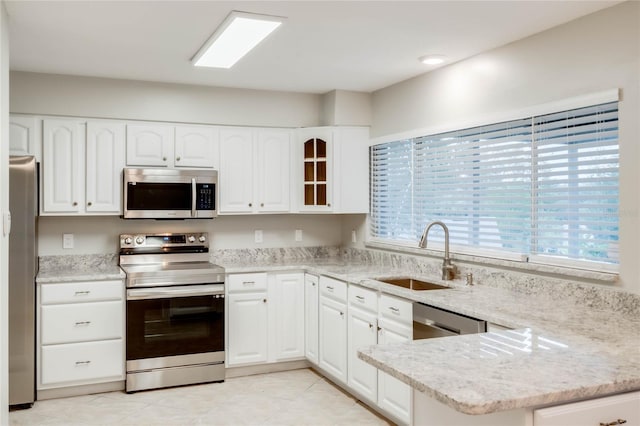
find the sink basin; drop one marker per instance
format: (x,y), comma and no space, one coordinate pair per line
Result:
(412,284)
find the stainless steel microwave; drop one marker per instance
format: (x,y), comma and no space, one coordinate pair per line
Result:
(170,194)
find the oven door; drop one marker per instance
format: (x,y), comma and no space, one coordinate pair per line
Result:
(173,321)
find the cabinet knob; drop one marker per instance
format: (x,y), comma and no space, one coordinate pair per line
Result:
(75,203)
(328,204)
(164,158)
(261,204)
(264,300)
(177,158)
(89,203)
(250,204)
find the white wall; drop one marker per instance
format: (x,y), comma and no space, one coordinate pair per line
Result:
(594,53)
(346,108)
(36,93)
(4,207)
(93,235)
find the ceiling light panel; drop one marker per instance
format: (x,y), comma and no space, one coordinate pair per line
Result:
(235,37)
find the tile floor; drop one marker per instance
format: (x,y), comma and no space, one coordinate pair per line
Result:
(297,397)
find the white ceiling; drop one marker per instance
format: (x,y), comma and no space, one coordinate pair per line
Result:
(323,45)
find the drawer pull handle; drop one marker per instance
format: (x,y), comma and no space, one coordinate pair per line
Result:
(83,322)
(83,362)
(613,423)
(394,310)
(248,282)
(360,298)
(329,288)
(82,293)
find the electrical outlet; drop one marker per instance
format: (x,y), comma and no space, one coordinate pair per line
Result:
(67,241)
(258,235)
(298,234)
(354,238)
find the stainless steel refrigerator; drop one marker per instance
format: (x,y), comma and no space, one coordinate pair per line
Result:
(23,266)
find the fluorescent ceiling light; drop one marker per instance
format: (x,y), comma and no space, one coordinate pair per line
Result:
(432,59)
(235,37)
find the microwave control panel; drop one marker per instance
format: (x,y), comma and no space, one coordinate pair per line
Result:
(205,196)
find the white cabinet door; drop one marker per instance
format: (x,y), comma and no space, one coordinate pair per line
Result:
(616,409)
(236,170)
(149,145)
(351,170)
(314,169)
(394,396)
(24,135)
(196,146)
(248,326)
(333,338)
(311,320)
(286,308)
(63,166)
(363,331)
(104,163)
(273,165)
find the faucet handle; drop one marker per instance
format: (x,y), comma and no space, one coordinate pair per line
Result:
(469,278)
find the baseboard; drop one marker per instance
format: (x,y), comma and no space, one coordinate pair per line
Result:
(250,370)
(42,394)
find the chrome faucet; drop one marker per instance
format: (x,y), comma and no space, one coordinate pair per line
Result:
(449,270)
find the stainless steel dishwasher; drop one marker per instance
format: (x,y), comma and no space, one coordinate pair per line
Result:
(430,322)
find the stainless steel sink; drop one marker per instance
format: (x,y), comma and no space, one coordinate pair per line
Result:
(412,284)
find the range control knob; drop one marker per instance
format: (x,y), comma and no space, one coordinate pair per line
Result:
(139,239)
(202,238)
(191,239)
(128,240)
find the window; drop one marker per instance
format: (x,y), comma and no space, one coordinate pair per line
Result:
(539,188)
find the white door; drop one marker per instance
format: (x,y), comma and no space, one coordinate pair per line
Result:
(105,160)
(311,321)
(363,331)
(236,170)
(247,328)
(274,170)
(149,145)
(63,166)
(288,312)
(196,146)
(333,338)
(314,169)
(23,135)
(394,396)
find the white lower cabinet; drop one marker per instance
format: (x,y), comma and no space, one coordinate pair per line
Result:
(362,332)
(265,318)
(611,410)
(333,328)
(311,319)
(80,333)
(395,326)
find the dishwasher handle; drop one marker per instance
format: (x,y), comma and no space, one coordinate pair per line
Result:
(447,321)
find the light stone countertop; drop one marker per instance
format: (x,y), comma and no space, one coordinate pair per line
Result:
(560,350)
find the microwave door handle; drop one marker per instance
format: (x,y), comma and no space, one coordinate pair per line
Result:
(193,197)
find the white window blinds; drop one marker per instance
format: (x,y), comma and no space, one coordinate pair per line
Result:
(544,185)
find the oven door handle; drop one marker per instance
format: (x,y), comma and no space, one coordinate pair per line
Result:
(193,197)
(173,292)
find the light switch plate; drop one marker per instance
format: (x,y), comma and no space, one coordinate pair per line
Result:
(258,235)
(67,241)
(298,234)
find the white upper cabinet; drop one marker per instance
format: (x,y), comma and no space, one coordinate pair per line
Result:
(63,166)
(105,160)
(24,135)
(150,145)
(196,146)
(82,165)
(162,145)
(332,169)
(255,170)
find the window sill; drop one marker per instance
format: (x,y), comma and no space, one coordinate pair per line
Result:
(566,272)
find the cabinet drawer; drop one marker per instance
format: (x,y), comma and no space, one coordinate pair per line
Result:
(81,322)
(609,410)
(397,309)
(83,361)
(90,291)
(334,289)
(363,298)
(247,282)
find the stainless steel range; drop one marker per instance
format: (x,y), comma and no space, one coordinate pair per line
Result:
(175,311)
